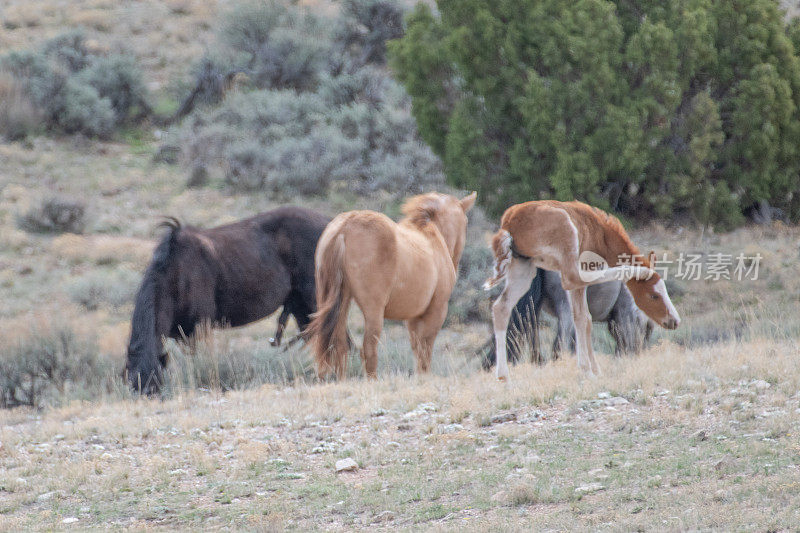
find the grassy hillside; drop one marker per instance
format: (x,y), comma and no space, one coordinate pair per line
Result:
(702,438)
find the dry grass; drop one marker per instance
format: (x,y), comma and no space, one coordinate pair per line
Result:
(703,438)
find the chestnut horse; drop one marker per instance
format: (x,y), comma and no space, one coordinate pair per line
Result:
(400,271)
(558,236)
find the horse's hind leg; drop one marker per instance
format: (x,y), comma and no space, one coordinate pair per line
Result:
(276,340)
(518,279)
(373,327)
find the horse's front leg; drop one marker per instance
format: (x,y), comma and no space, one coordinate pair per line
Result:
(518,280)
(276,340)
(583,331)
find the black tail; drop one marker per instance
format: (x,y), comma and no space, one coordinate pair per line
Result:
(146,359)
(521,326)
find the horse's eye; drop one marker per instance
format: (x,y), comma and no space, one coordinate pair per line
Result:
(654,296)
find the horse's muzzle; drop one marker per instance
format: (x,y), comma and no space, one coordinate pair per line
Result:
(670,323)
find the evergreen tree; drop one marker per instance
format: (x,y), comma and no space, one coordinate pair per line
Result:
(680,108)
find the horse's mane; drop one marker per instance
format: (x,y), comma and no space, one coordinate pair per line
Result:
(615,227)
(163,252)
(420,209)
(170,222)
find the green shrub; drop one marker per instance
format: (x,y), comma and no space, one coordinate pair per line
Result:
(118,79)
(684,109)
(114,288)
(75,91)
(366,25)
(68,51)
(314,123)
(275,42)
(54,215)
(50,366)
(85,111)
(18,114)
(294,143)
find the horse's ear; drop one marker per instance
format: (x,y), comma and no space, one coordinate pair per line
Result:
(468,201)
(651,258)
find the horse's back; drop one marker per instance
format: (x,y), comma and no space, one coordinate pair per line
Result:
(262,260)
(384,264)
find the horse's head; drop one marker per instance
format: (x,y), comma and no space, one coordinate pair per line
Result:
(448,213)
(651,297)
(152,317)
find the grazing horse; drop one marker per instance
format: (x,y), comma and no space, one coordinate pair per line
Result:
(560,236)
(609,302)
(400,271)
(229,275)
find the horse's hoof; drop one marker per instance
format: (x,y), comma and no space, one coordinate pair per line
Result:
(274,342)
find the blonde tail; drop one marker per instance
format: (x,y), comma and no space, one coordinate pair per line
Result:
(328,328)
(501,247)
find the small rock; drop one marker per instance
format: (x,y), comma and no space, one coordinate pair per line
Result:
(499,497)
(421,409)
(346,465)
(386,516)
(701,435)
(403,427)
(500,419)
(378,412)
(589,488)
(534,415)
(616,400)
(69,520)
(604,395)
(760,384)
(59,437)
(47,496)
(662,392)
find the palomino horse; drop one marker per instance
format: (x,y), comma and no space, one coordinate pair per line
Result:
(400,271)
(557,236)
(229,275)
(609,302)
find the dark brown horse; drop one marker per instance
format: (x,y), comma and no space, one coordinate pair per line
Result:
(229,275)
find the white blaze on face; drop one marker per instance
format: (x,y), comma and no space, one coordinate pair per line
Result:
(661,289)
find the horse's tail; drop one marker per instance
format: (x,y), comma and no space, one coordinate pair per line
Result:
(328,328)
(145,358)
(501,247)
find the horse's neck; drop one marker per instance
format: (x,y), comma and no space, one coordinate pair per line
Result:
(433,233)
(619,248)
